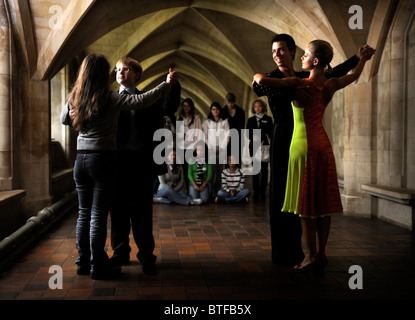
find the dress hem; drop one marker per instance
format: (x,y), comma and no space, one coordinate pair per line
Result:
(319,216)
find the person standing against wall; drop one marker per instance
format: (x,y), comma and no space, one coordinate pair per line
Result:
(216,131)
(191,121)
(236,118)
(260,121)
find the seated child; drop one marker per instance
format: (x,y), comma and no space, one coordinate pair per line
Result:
(172,186)
(233,184)
(200,175)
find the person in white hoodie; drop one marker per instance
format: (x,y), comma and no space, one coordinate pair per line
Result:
(216,130)
(190,125)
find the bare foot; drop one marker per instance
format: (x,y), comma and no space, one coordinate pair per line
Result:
(307,262)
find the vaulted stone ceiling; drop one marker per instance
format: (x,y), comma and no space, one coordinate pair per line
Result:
(214,52)
(216,46)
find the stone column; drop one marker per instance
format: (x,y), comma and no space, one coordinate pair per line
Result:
(35,135)
(6,129)
(357,148)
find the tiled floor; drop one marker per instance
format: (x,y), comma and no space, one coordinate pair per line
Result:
(222,252)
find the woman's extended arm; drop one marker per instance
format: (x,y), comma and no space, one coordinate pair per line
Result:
(340,83)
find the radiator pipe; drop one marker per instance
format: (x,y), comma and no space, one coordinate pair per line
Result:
(19,242)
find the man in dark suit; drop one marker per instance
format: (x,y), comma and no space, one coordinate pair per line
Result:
(236,118)
(133,204)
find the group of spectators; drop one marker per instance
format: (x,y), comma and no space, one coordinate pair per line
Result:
(214,171)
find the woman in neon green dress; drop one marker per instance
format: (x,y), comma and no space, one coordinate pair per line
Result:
(312,189)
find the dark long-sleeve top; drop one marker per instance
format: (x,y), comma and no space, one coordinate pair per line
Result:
(265,125)
(237,121)
(136,128)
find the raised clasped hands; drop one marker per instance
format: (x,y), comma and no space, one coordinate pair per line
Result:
(365,52)
(172,77)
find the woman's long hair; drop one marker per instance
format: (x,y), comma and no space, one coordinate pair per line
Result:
(192,111)
(89,95)
(217,105)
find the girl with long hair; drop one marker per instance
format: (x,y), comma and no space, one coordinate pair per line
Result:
(192,131)
(216,130)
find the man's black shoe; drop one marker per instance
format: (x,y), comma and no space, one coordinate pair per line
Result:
(83,270)
(119,261)
(108,272)
(150,268)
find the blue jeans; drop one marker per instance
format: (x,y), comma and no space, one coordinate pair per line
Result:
(239,196)
(171,196)
(95,176)
(195,194)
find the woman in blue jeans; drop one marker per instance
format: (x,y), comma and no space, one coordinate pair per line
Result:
(94,177)
(92,110)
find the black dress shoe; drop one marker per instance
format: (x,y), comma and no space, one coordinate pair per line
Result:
(83,270)
(119,261)
(107,272)
(150,268)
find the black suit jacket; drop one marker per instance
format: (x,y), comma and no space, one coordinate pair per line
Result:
(265,126)
(237,121)
(136,127)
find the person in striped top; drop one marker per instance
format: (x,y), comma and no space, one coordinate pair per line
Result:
(233,184)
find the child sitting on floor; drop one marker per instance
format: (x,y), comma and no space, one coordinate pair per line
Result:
(172,186)
(233,184)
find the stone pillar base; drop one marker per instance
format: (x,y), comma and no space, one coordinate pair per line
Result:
(356,205)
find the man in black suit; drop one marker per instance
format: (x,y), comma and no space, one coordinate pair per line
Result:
(133,204)
(236,118)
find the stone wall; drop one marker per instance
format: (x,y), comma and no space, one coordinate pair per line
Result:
(379,154)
